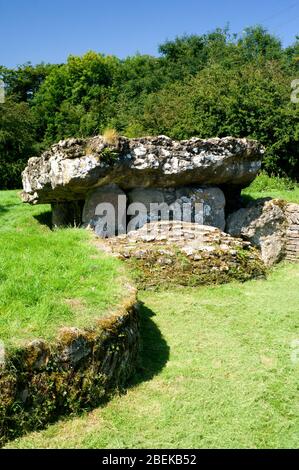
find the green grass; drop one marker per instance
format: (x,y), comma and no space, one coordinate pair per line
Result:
(216,372)
(270,186)
(49,279)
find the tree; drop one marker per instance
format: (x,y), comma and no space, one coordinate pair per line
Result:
(245,101)
(257,44)
(22,83)
(17,138)
(212,84)
(82,85)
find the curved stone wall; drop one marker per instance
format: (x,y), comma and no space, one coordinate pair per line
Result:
(78,370)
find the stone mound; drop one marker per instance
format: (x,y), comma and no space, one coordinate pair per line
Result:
(180,253)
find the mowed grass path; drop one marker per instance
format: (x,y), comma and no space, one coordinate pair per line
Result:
(49,279)
(217,371)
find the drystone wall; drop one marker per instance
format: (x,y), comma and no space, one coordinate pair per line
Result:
(82,367)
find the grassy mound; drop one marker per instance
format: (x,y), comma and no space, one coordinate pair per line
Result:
(217,371)
(49,279)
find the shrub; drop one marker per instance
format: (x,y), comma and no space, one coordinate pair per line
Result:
(264,182)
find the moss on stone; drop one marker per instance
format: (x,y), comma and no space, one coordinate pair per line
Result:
(34,392)
(155,270)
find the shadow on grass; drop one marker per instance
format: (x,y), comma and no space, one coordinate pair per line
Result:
(246,199)
(153,358)
(45,218)
(154,348)
(7,207)
(3,209)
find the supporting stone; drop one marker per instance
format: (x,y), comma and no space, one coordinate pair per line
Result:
(105,210)
(272,225)
(67,213)
(201,205)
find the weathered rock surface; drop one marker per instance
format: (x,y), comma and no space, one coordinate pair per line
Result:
(72,167)
(95,207)
(272,225)
(66,213)
(41,381)
(204,206)
(182,253)
(292,232)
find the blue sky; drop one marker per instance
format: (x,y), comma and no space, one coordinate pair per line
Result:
(50,30)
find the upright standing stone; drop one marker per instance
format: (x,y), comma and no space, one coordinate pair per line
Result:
(270,224)
(105,210)
(201,205)
(68,213)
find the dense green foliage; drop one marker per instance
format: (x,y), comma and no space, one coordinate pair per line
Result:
(274,187)
(17,137)
(211,85)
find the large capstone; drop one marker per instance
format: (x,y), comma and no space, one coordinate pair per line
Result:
(119,182)
(69,169)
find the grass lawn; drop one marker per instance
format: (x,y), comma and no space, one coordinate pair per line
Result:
(216,372)
(277,188)
(218,366)
(286,194)
(49,279)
